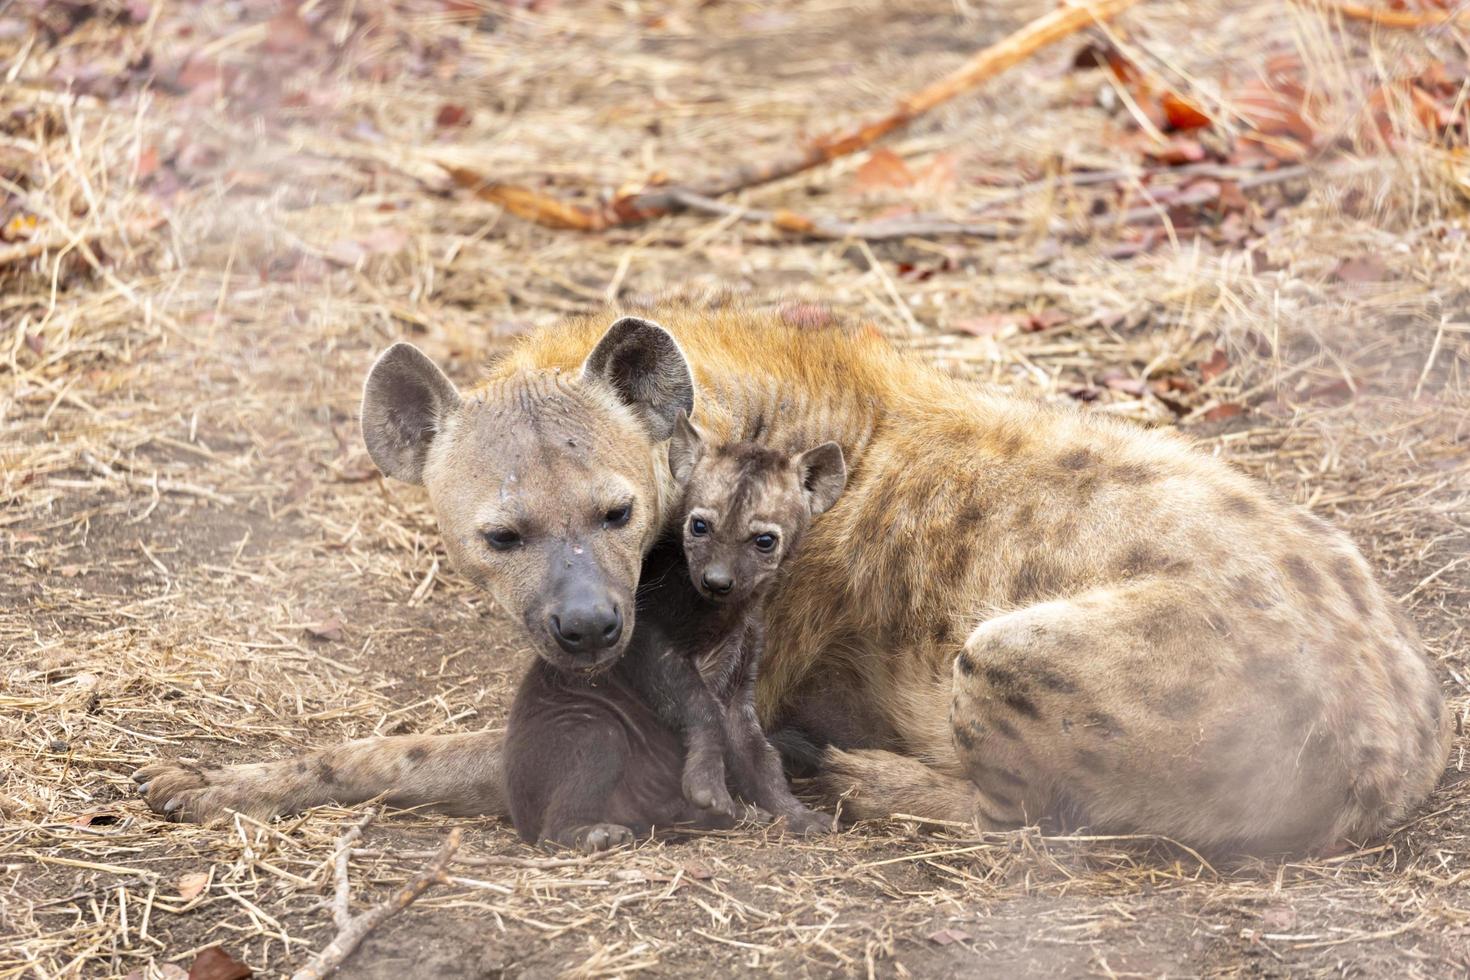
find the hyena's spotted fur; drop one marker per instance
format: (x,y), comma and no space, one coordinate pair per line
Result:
(1015,610)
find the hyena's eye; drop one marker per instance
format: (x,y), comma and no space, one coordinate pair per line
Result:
(765,542)
(618,516)
(503,539)
(698,526)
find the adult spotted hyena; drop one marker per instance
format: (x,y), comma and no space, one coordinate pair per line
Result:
(1015,609)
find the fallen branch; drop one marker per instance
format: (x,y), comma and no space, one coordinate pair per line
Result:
(641,206)
(1383,17)
(887,229)
(341,909)
(351,934)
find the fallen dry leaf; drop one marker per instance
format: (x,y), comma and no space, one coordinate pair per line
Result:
(450,115)
(1220,413)
(213,963)
(1215,366)
(883,169)
(286,31)
(945,937)
(1181,113)
(190,885)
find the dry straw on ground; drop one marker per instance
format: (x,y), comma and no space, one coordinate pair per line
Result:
(221,211)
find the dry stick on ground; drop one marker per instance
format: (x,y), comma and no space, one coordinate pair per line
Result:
(1385,17)
(357,928)
(630,209)
(830,228)
(341,909)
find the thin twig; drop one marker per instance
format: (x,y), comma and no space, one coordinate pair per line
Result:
(341,909)
(640,206)
(351,935)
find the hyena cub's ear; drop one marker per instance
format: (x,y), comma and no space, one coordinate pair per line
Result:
(644,365)
(823,476)
(686,448)
(404,404)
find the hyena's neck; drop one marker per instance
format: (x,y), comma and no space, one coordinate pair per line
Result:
(771,411)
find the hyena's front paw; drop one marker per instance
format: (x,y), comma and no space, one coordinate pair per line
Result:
(193,794)
(704,786)
(596,837)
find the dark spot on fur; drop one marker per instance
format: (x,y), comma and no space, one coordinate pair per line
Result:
(1089,759)
(301,765)
(1303,574)
(1003,729)
(1351,581)
(1142,560)
(1020,704)
(325,773)
(1077,459)
(1104,724)
(965,739)
(966,665)
(1053,681)
(1034,580)
(1181,702)
(1025,515)
(1240,504)
(1135,473)
(417,754)
(1249,592)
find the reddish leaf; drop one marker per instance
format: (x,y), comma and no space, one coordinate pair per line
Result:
(452,115)
(36,343)
(1215,366)
(883,169)
(1273,113)
(1181,113)
(1364,268)
(97,818)
(1220,413)
(213,963)
(945,937)
(147,162)
(1177,152)
(941,172)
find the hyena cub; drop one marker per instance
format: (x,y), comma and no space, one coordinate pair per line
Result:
(594,758)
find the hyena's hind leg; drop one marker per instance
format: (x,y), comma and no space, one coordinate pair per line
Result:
(457,774)
(1161,707)
(874,784)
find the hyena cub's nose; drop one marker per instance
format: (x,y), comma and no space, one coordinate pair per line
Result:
(587,629)
(717,581)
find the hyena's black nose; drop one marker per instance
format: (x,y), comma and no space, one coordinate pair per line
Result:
(718,582)
(587,629)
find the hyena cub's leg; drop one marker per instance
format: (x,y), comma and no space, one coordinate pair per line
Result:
(458,774)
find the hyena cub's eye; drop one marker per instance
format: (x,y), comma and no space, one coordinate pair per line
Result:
(618,516)
(765,542)
(698,526)
(503,539)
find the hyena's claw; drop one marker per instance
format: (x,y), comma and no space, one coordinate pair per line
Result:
(808,822)
(602,837)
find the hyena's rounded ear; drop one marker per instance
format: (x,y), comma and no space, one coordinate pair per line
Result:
(686,447)
(404,402)
(643,364)
(823,476)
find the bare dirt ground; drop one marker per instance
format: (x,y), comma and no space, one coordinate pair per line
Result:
(217,213)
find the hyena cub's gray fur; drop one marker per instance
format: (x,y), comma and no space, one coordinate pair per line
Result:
(598,755)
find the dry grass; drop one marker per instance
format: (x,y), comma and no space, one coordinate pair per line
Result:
(187,505)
